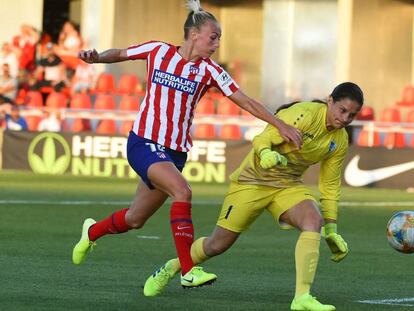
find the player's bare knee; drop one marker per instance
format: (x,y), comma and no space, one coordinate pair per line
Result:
(182,194)
(313,222)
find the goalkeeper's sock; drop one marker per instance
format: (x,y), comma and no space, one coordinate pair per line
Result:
(306,256)
(197,255)
(113,224)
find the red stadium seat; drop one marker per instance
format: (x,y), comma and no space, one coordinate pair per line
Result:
(56,100)
(127,84)
(410,116)
(394,140)
(81,125)
(106,127)
(33,122)
(410,119)
(205,106)
(365,139)
(81,101)
(407,98)
(230,132)
(205,131)
(104,101)
(227,107)
(33,99)
(125,127)
(105,83)
(129,103)
(390,115)
(366,114)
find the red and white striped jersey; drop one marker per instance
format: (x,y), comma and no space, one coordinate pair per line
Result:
(174,87)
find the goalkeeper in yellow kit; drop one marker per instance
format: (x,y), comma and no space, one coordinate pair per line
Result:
(270,177)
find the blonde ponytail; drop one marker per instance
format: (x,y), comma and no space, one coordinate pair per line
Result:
(194,6)
(196,17)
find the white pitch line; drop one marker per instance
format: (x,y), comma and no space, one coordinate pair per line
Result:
(376,204)
(148,237)
(195,202)
(394,302)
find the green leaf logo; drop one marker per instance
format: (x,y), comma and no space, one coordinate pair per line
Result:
(49,153)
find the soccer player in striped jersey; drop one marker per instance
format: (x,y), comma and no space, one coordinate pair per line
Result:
(178,76)
(270,178)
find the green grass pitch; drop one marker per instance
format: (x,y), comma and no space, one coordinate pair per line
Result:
(41,217)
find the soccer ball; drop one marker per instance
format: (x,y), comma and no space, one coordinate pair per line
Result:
(400,231)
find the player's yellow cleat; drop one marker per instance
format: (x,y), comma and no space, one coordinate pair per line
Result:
(308,303)
(84,245)
(160,279)
(196,277)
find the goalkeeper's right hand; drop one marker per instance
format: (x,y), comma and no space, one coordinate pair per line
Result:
(269,158)
(336,243)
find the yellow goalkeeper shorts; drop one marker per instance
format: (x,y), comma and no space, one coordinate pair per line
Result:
(245,202)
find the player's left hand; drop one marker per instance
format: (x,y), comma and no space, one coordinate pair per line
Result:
(89,56)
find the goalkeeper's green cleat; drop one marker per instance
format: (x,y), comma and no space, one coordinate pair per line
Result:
(308,303)
(84,245)
(160,279)
(196,277)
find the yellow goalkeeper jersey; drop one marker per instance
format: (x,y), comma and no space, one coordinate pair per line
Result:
(319,145)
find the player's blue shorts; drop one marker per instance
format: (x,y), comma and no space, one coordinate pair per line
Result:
(142,152)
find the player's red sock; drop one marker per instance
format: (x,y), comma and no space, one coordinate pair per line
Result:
(113,224)
(183,232)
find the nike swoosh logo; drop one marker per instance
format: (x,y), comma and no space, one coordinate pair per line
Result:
(356,177)
(183,227)
(189,281)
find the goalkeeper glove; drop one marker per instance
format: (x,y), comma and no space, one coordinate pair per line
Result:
(269,158)
(336,243)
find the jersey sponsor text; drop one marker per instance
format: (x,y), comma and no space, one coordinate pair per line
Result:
(173,81)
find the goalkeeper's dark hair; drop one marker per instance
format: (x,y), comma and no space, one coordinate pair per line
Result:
(197,17)
(344,90)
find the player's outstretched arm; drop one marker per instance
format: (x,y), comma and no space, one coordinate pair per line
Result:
(108,56)
(288,133)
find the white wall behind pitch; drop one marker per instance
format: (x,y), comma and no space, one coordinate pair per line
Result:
(14,13)
(299,50)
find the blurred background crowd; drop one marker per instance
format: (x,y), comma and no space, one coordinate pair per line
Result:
(277,50)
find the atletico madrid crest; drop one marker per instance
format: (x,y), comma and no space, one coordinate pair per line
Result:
(194,70)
